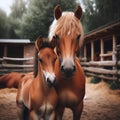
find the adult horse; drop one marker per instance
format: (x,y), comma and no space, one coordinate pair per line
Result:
(36,96)
(11,80)
(66,29)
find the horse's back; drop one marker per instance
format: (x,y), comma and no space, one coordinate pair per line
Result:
(11,80)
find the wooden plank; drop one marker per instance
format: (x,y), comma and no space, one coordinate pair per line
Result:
(106,55)
(100,63)
(100,70)
(1,59)
(102,76)
(16,65)
(17,59)
(102,49)
(4,71)
(83,59)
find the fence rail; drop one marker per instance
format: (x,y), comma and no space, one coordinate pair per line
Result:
(109,69)
(22,65)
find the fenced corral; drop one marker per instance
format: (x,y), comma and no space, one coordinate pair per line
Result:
(8,64)
(100,56)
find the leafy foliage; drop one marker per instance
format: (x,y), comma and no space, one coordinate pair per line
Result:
(40,15)
(17,10)
(98,13)
(3,25)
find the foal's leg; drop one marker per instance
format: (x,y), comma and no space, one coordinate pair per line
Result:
(50,116)
(77,111)
(34,116)
(20,111)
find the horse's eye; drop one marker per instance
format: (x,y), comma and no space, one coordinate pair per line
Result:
(78,37)
(56,37)
(40,60)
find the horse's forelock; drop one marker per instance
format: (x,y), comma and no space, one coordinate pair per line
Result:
(46,44)
(67,22)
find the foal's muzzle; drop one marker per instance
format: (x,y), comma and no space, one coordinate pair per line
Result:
(50,78)
(51,83)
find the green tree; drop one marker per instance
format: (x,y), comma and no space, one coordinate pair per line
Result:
(17,10)
(40,15)
(98,13)
(108,10)
(3,25)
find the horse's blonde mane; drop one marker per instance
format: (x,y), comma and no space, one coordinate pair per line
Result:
(66,23)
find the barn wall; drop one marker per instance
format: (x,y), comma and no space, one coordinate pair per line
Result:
(29,52)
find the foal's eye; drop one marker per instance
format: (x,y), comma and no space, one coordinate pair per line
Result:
(55,59)
(78,37)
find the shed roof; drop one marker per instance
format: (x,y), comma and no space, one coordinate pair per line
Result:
(24,41)
(110,28)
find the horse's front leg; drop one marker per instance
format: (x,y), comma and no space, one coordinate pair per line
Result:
(59,112)
(77,111)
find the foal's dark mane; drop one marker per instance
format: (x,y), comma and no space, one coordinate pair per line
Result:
(45,44)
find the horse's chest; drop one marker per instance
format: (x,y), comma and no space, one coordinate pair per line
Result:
(68,97)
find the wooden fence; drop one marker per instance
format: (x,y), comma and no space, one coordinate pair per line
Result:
(109,70)
(8,64)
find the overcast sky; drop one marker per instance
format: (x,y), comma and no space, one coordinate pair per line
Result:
(5,5)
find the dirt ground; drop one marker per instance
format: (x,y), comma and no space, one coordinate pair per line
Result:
(100,103)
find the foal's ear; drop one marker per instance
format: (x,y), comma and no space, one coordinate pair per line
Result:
(78,12)
(38,43)
(57,12)
(53,42)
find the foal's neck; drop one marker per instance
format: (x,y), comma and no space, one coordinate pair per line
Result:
(40,81)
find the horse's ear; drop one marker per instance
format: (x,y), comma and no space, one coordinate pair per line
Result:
(78,12)
(57,12)
(38,43)
(53,43)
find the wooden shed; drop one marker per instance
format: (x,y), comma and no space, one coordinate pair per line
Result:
(100,55)
(16,55)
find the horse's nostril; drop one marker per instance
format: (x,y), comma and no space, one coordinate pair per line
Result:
(62,68)
(48,80)
(54,82)
(51,83)
(74,68)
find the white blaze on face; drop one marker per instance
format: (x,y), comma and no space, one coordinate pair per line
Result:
(69,33)
(50,76)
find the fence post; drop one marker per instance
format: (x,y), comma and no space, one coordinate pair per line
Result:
(85,56)
(102,49)
(92,50)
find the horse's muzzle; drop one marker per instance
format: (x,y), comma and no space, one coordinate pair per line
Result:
(68,72)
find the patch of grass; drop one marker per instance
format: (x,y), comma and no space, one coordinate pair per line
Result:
(95,80)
